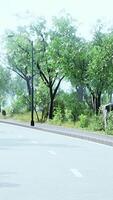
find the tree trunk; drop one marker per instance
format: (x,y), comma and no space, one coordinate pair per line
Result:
(51,107)
(93,101)
(98,102)
(36,113)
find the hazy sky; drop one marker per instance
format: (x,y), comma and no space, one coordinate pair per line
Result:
(85,11)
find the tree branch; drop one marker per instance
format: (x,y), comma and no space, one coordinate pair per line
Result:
(21,75)
(23,49)
(44,78)
(55,90)
(55,78)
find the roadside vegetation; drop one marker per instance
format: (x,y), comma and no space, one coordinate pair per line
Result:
(59,55)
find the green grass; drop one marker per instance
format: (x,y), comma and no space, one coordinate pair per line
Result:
(65,124)
(26,117)
(22,117)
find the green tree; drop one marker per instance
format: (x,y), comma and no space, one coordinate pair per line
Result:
(53,53)
(5,79)
(99,73)
(77,73)
(19,56)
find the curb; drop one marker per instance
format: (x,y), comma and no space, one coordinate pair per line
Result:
(94,137)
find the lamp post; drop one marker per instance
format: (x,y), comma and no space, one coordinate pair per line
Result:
(32,94)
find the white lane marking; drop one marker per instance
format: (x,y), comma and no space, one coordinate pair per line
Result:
(34,142)
(76,173)
(52,152)
(20,137)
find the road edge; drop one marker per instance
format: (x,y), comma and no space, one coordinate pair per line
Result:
(101,139)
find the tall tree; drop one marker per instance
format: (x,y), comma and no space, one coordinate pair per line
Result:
(19,56)
(99,73)
(52,53)
(77,72)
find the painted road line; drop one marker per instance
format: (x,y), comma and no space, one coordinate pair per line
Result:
(20,137)
(52,152)
(76,173)
(34,142)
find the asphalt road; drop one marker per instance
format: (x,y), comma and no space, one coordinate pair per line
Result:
(38,165)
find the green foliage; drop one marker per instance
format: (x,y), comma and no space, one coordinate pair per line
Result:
(19,105)
(5,78)
(99,72)
(75,106)
(18,53)
(109,128)
(59,53)
(17,87)
(3,112)
(42,100)
(42,96)
(68,115)
(52,52)
(83,121)
(70,106)
(5,84)
(58,118)
(96,123)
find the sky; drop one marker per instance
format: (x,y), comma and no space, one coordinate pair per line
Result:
(86,12)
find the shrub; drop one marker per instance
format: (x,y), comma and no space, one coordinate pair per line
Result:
(109,128)
(83,120)
(19,105)
(3,112)
(58,118)
(96,123)
(68,115)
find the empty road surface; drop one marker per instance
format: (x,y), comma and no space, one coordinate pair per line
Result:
(38,165)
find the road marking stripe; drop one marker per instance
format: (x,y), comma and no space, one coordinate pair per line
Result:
(20,137)
(76,173)
(34,142)
(52,152)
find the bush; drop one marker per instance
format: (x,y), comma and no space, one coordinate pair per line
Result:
(68,115)
(83,120)
(58,118)
(70,106)
(96,123)
(19,105)
(3,112)
(109,128)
